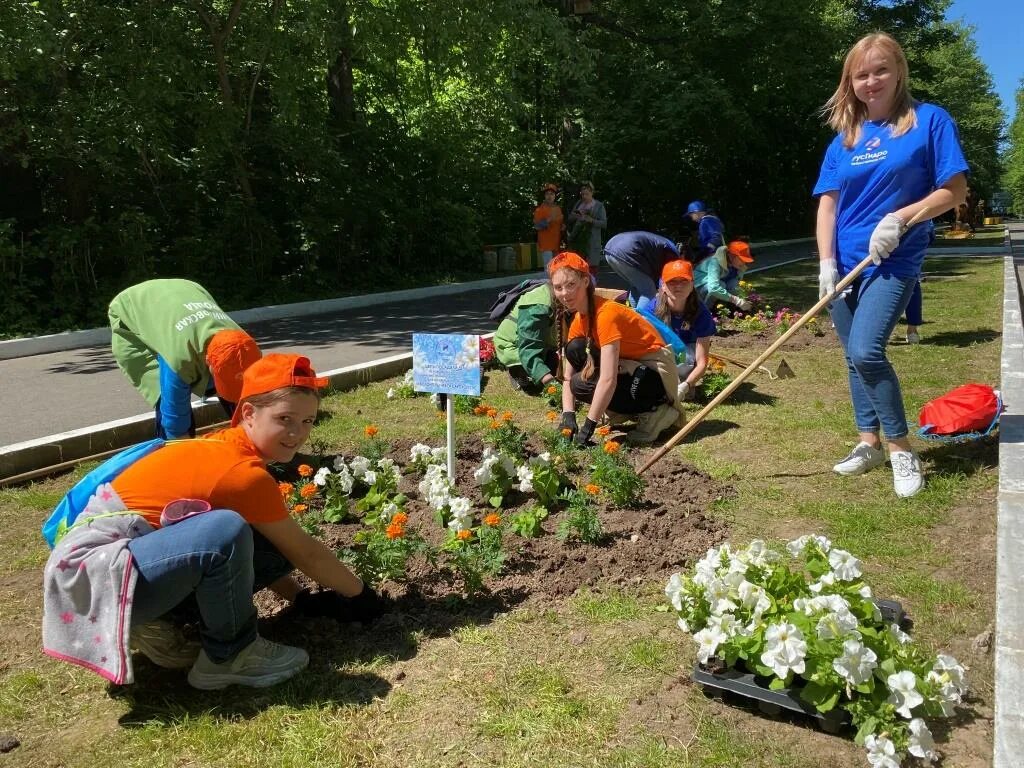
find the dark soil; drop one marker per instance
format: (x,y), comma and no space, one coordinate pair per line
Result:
(668,531)
(754,344)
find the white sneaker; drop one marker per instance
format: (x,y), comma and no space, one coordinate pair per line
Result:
(164,644)
(260,664)
(907,475)
(651,424)
(861,459)
(913,337)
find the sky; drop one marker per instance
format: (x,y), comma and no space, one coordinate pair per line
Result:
(999,34)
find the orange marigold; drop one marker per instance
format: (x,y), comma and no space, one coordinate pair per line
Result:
(479,410)
(285,488)
(299,509)
(611,447)
(370,430)
(400,518)
(305,470)
(492,412)
(566,432)
(394,531)
(495,425)
(603,431)
(308,491)
(492,519)
(592,489)
(551,416)
(552,389)
(464,535)
(507,416)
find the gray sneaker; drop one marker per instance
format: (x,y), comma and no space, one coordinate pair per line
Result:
(651,424)
(907,475)
(861,459)
(164,644)
(259,665)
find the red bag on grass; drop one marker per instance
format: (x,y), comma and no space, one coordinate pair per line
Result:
(970,408)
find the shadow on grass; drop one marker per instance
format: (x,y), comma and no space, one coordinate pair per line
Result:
(962,458)
(962,338)
(707,428)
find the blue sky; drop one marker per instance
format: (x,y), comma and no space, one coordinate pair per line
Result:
(999,33)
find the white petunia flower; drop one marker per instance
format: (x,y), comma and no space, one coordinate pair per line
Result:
(708,640)
(483,474)
(845,566)
(684,625)
(439,454)
(785,649)
(359,466)
(320,478)
(369,477)
(543,460)
(837,625)
(904,694)
(898,634)
(390,393)
(460,506)
(727,623)
(856,663)
(796,547)
(525,475)
(419,452)
(718,596)
(921,743)
(954,671)
(948,695)
(754,598)
(827,580)
(339,464)
(881,752)
(389,510)
(865,592)
(344,480)
(674,590)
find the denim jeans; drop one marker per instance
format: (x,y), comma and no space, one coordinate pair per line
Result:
(214,559)
(640,283)
(865,316)
(915,309)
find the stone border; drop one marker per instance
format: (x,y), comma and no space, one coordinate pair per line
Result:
(1008,741)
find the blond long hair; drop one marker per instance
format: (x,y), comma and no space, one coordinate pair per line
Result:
(846,113)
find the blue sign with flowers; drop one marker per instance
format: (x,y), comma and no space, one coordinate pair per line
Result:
(447,363)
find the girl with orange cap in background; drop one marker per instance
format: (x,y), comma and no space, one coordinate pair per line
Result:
(677,305)
(717,278)
(547,220)
(199,526)
(171,340)
(613,359)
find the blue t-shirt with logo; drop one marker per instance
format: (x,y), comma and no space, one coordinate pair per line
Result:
(883,173)
(703,324)
(646,251)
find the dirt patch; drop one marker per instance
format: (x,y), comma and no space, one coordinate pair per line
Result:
(758,342)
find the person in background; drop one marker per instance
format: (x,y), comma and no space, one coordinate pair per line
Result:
(547,220)
(587,221)
(638,257)
(710,230)
(121,575)
(893,159)
(526,341)
(677,306)
(614,360)
(717,279)
(172,341)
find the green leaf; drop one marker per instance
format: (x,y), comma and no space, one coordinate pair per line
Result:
(777,683)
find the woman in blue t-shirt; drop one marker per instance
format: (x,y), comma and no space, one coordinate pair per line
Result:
(676,304)
(893,158)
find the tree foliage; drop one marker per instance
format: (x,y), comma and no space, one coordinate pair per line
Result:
(276,150)
(1014,178)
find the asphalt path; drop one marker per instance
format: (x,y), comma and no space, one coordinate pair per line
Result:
(44,395)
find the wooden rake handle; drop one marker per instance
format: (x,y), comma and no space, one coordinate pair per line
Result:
(752,368)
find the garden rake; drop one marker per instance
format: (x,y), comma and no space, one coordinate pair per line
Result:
(750,369)
(782,371)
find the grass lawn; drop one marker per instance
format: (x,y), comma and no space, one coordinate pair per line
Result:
(991,236)
(600,678)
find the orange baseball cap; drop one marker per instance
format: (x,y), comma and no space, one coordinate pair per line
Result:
(276,371)
(229,354)
(677,269)
(549,187)
(569,259)
(741,251)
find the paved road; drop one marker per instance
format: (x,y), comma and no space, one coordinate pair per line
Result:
(47,394)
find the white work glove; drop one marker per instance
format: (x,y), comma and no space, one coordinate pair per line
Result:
(828,276)
(683,390)
(885,238)
(743,304)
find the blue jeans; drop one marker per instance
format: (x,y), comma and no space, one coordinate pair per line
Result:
(218,561)
(640,283)
(865,316)
(915,309)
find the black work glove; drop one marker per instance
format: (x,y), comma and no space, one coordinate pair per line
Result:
(364,607)
(583,437)
(569,422)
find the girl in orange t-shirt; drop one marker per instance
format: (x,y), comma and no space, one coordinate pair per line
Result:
(603,339)
(548,221)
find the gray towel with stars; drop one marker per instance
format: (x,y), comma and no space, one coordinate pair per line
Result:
(88,585)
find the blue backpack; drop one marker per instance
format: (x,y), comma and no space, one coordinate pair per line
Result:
(670,337)
(77,498)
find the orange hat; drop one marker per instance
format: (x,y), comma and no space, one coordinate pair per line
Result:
(228,354)
(741,251)
(569,259)
(549,187)
(677,269)
(276,371)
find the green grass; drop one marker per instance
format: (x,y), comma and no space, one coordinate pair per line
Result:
(596,679)
(987,236)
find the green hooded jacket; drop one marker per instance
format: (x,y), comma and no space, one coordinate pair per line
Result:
(528,333)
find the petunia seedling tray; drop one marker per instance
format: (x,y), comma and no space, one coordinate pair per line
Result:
(716,682)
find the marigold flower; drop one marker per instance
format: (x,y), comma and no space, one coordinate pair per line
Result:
(479,410)
(495,425)
(552,389)
(492,519)
(592,489)
(305,470)
(399,518)
(492,412)
(603,431)
(464,535)
(285,488)
(551,416)
(394,531)
(370,430)
(299,509)
(507,416)
(611,446)
(307,491)
(566,432)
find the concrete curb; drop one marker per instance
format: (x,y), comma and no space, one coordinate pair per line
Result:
(1008,741)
